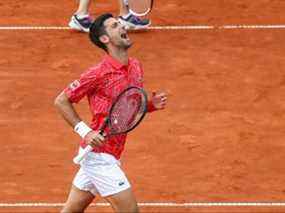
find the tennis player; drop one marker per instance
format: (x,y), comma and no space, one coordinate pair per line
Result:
(100,172)
(81,20)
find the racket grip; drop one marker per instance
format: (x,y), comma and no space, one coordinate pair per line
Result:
(81,155)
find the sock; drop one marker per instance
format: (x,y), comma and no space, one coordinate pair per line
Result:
(126,16)
(79,16)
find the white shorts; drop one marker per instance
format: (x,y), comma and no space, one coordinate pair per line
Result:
(101,173)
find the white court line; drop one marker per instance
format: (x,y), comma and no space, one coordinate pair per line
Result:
(198,27)
(171,204)
(182,27)
(33,28)
(224,27)
(252,27)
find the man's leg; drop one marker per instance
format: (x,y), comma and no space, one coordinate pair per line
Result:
(123,201)
(77,201)
(123,8)
(83,7)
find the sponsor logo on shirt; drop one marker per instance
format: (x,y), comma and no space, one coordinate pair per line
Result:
(74,85)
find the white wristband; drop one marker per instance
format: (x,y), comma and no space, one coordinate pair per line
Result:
(82,129)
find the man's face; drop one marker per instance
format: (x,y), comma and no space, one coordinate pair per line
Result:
(117,33)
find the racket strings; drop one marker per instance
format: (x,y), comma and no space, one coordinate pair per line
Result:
(127,111)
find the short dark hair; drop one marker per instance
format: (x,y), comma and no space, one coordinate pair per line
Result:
(97,29)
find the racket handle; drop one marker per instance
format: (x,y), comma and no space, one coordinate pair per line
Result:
(81,155)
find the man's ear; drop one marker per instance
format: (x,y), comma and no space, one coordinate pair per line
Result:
(104,39)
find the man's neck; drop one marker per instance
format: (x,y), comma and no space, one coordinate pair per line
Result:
(121,56)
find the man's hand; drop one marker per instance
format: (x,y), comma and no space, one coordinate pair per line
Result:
(159,100)
(94,138)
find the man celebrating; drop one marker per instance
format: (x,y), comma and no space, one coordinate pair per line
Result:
(100,172)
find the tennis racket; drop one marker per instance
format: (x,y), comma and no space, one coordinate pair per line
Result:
(140,7)
(126,112)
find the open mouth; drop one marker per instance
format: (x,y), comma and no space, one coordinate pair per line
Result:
(124,36)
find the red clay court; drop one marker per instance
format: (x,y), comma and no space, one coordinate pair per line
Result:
(219,145)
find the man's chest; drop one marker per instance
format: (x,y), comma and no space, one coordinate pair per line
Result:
(115,81)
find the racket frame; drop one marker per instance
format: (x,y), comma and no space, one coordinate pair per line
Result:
(107,121)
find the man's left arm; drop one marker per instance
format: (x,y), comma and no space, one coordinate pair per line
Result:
(157,100)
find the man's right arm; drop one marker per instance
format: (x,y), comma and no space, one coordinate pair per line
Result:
(66,109)
(69,114)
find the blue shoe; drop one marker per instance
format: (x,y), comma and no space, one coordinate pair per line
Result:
(134,23)
(80,24)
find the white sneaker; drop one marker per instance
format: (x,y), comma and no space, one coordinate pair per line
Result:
(134,23)
(80,24)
